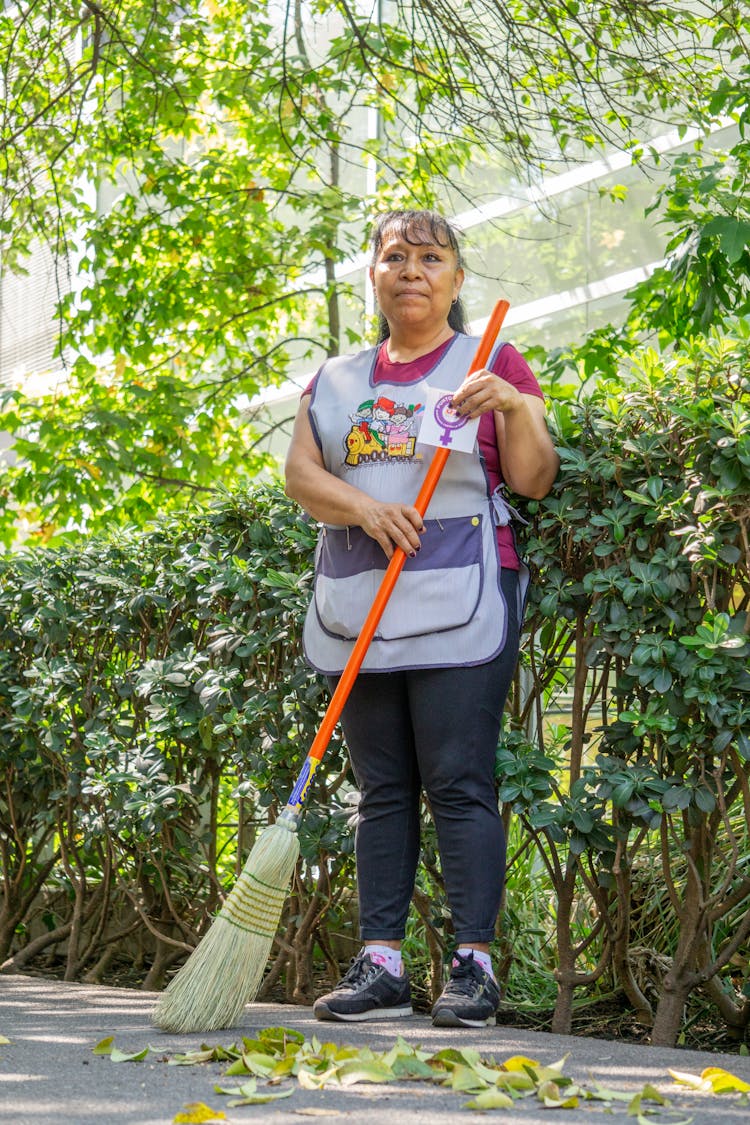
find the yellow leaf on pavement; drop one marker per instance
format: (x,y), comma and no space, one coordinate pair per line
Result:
(722,1082)
(197,1112)
(520,1062)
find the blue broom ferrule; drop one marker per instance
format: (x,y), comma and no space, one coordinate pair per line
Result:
(298,794)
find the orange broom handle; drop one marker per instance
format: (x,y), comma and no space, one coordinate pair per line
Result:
(395,566)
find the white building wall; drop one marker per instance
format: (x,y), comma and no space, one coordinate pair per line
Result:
(29,328)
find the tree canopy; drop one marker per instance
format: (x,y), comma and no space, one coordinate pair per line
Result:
(200,169)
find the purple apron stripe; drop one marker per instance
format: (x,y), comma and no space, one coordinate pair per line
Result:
(457,543)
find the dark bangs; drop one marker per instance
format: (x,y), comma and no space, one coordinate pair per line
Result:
(416,228)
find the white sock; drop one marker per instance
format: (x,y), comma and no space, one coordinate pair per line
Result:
(389,958)
(482,959)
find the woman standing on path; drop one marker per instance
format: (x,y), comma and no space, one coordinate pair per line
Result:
(425,710)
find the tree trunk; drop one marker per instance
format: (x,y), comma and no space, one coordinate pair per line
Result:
(735,1012)
(16,903)
(621,944)
(166,955)
(565,974)
(670,1011)
(684,975)
(435,949)
(21,959)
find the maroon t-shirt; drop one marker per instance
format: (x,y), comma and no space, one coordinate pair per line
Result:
(509,365)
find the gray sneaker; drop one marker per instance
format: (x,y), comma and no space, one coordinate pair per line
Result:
(366,992)
(469,999)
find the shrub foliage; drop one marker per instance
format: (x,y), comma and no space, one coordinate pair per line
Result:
(643,555)
(155,710)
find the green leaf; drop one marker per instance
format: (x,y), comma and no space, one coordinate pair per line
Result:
(466,1079)
(260,1098)
(279,1038)
(663,680)
(411,1068)
(118,1056)
(357,1071)
(705,799)
(490,1099)
(605,1094)
(733,235)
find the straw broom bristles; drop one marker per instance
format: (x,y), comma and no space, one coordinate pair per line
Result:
(225,970)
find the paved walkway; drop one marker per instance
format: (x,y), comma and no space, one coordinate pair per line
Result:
(49,1075)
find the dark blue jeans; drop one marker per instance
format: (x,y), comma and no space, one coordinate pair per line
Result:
(434,729)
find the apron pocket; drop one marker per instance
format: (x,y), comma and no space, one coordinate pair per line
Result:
(440,589)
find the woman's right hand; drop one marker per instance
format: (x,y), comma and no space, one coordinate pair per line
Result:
(392,525)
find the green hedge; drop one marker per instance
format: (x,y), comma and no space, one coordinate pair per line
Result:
(155,709)
(643,553)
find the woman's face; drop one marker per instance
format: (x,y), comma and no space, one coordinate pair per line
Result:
(415,282)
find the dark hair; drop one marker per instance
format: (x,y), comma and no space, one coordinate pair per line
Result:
(409,225)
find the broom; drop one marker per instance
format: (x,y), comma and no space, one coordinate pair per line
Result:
(225,970)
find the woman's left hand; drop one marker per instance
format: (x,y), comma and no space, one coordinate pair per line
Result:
(483,391)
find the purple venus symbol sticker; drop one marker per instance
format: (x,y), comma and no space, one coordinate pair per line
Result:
(448,419)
